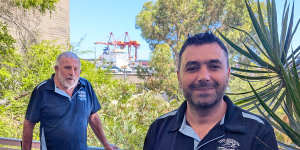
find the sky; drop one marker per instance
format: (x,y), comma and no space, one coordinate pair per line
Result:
(93,20)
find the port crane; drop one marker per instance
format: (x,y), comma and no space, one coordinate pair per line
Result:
(121,45)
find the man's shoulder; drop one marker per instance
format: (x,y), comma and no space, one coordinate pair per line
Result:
(43,85)
(165,119)
(84,81)
(168,115)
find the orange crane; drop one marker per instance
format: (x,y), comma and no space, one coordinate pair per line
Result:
(121,44)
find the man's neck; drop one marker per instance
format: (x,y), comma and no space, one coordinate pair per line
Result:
(204,120)
(58,85)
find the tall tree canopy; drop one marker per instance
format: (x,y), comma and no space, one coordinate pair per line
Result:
(171,21)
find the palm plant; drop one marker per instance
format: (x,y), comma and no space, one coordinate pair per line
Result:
(273,64)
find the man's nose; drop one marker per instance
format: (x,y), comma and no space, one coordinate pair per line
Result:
(203,74)
(72,71)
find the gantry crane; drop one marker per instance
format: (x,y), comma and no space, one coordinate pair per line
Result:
(121,44)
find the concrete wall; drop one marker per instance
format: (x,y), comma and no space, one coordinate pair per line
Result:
(31,26)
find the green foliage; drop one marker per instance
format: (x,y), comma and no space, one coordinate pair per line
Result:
(163,77)
(24,73)
(9,62)
(6,40)
(96,76)
(38,63)
(171,21)
(127,122)
(273,65)
(41,5)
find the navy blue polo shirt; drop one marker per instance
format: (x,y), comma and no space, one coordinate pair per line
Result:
(63,119)
(238,130)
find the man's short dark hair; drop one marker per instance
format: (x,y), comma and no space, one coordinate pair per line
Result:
(200,39)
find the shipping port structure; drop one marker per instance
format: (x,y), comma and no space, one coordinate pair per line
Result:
(120,54)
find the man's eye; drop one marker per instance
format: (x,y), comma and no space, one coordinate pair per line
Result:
(214,67)
(192,68)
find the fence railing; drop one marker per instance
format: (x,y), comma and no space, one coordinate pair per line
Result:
(16,144)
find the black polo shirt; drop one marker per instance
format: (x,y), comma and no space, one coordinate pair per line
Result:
(63,119)
(238,130)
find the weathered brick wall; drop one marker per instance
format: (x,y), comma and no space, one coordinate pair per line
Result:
(29,27)
(56,26)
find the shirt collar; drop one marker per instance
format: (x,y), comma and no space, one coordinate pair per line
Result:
(233,120)
(188,130)
(179,117)
(52,84)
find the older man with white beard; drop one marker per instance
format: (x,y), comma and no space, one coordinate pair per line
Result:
(64,105)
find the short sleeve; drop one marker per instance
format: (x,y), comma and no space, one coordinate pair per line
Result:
(94,100)
(33,109)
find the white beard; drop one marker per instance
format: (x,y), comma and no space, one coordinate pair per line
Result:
(64,82)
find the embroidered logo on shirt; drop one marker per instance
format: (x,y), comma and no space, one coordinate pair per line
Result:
(228,144)
(82,95)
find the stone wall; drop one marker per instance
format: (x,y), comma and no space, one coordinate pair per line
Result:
(31,26)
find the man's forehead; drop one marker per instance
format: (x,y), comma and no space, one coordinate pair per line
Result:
(205,52)
(67,60)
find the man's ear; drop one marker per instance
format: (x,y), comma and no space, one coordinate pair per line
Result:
(229,71)
(56,68)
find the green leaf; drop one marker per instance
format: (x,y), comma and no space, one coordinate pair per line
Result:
(250,71)
(295,137)
(266,95)
(257,45)
(263,91)
(253,77)
(263,38)
(289,33)
(293,53)
(261,20)
(259,60)
(291,91)
(274,32)
(279,101)
(236,47)
(283,33)
(295,29)
(251,66)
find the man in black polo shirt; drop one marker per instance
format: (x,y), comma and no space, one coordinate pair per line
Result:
(208,120)
(64,105)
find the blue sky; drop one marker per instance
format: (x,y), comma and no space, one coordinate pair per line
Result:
(94,19)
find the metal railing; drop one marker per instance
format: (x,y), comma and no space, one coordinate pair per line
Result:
(15,144)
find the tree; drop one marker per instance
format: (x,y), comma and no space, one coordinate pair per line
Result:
(171,21)
(42,6)
(163,77)
(273,63)
(9,61)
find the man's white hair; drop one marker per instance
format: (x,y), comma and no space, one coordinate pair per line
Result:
(67,54)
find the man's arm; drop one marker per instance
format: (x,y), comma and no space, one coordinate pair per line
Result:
(27,134)
(96,125)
